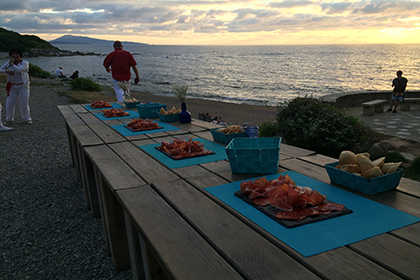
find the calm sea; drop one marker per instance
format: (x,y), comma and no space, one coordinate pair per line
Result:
(260,75)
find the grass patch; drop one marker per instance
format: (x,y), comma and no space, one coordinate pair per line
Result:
(83,97)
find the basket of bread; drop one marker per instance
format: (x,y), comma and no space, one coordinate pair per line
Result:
(131,103)
(170,115)
(360,173)
(226,134)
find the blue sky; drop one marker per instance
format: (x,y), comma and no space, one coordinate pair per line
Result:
(218,22)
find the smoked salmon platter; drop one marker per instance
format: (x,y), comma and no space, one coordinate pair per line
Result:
(183,149)
(288,204)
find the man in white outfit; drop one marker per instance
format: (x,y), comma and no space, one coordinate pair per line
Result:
(17,86)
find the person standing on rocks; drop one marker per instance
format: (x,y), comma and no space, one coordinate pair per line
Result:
(119,63)
(399,84)
(17,86)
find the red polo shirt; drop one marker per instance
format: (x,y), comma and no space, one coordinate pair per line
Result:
(120,62)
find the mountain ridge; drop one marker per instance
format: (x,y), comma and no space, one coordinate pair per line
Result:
(70,39)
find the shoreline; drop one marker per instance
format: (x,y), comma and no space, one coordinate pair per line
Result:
(231,113)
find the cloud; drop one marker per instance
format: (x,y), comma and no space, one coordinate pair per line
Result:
(173,18)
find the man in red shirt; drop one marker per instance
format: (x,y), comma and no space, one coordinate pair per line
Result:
(120,62)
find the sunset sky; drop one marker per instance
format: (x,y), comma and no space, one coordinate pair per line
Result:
(218,22)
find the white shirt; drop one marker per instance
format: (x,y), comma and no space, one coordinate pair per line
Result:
(59,72)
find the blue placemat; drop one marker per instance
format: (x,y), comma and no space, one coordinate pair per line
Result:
(133,114)
(127,132)
(219,150)
(114,106)
(368,219)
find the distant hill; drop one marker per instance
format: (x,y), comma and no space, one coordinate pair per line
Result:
(70,39)
(26,43)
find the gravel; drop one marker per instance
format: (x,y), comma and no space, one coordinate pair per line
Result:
(46,231)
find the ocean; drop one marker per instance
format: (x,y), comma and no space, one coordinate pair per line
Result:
(258,75)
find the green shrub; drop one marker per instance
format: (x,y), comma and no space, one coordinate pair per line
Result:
(394,157)
(413,171)
(36,71)
(308,123)
(85,84)
(268,129)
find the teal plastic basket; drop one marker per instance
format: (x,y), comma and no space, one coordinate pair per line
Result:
(358,183)
(226,138)
(131,104)
(169,118)
(150,110)
(254,155)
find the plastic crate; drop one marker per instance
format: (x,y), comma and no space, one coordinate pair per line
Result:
(226,138)
(169,118)
(358,183)
(150,110)
(131,104)
(254,155)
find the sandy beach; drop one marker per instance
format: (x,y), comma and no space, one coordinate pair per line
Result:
(230,113)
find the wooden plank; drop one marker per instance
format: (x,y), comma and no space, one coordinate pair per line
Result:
(105,132)
(409,233)
(113,220)
(294,151)
(254,256)
(410,187)
(398,256)
(148,168)
(222,169)
(85,136)
(257,259)
(78,108)
(182,252)
(318,159)
(114,170)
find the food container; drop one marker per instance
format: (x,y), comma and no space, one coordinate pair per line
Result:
(131,104)
(358,183)
(254,155)
(169,118)
(150,110)
(225,138)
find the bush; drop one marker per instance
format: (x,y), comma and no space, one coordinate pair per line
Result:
(268,129)
(85,84)
(394,157)
(36,71)
(308,123)
(413,171)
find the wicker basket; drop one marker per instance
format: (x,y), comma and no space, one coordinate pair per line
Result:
(150,110)
(367,186)
(254,155)
(226,138)
(169,118)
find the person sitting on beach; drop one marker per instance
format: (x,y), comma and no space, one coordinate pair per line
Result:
(215,120)
(399,84)
(59,72)
(75,75)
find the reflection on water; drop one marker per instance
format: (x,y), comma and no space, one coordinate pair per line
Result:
(254,74)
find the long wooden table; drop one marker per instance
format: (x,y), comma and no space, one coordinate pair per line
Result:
(162,223)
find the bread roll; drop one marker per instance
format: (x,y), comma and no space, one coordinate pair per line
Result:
(372,173)
(394,167)
(366,154)
(347,157)
(352,168)
(379,162)
(364,163)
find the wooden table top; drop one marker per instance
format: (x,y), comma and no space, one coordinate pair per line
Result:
(246,247)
